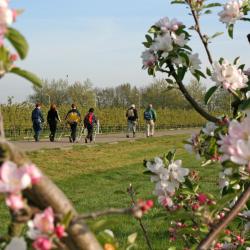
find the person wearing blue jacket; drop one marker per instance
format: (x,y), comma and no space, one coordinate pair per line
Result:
(37,120)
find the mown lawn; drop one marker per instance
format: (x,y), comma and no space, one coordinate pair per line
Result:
(91,177)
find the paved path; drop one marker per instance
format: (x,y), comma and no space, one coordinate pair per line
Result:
(102,138)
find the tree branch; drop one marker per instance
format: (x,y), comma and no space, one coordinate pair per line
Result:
(190,99)
(131,193)
(216,230)
(110,211)
(198,30)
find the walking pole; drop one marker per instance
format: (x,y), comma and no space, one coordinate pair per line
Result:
(81,133)
(62,132)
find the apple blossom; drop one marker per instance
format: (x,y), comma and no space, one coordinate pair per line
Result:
(228,76)
(179,40)
(235,146)
(4,3)
(166,25)
(165,201)
(148,58)
(224,177)
(167,178)
(231,12)
(163,43)
(177,172)
(34,173)
(12,178)
(193,145)
(15,202)
(194,62)
(43,223)
(209,128)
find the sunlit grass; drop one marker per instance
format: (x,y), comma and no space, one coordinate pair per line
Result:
(90,177)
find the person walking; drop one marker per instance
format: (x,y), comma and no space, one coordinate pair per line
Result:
(52,119)
(132,117)
(89,122)
(73,117)
(37,120)
(150,118)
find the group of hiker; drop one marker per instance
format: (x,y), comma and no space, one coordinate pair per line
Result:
(73,119)
(149,117)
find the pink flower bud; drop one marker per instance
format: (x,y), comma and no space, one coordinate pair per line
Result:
(34,173)
(149,203)
(195,206)
(42,243)
(202,198)
(13,57)
(60,231)
(15,202)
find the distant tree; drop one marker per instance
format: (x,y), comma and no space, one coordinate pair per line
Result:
(82,93)
(54,91)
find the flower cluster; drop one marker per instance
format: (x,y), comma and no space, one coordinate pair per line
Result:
(43,231)
(14,179)
(232,11)
(166,44)
(229,76)
(7,16)
(167,178)
(235,146)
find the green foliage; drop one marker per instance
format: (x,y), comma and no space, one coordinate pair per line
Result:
(230,30)
(210,93)
(27,75)
(18,41)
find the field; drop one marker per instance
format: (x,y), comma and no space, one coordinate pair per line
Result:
(94,176)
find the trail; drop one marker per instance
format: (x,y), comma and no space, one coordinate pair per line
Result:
(101,138)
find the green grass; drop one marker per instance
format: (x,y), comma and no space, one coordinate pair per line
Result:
(90,177)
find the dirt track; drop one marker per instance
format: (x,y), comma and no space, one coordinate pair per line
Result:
(101,138)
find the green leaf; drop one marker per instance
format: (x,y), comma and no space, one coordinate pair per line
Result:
(181,73)
(170,155)
(209,94)
(170,81)
(18,41)
(67,219)
(27,75)
(185,57)
(208,12)
(208,71)
(230,30)
(211,5)
(177,2)
(146,44)
(236,60)
(200,73)
(244,105)
(245,19)
(217,34)
(149,38)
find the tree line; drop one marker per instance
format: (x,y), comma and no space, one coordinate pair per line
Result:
(159,93)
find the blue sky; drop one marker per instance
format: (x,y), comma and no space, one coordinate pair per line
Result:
(100,40)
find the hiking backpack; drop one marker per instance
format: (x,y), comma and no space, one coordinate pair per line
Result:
(130,113)
(88,119)
(73,117)
(148,115)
